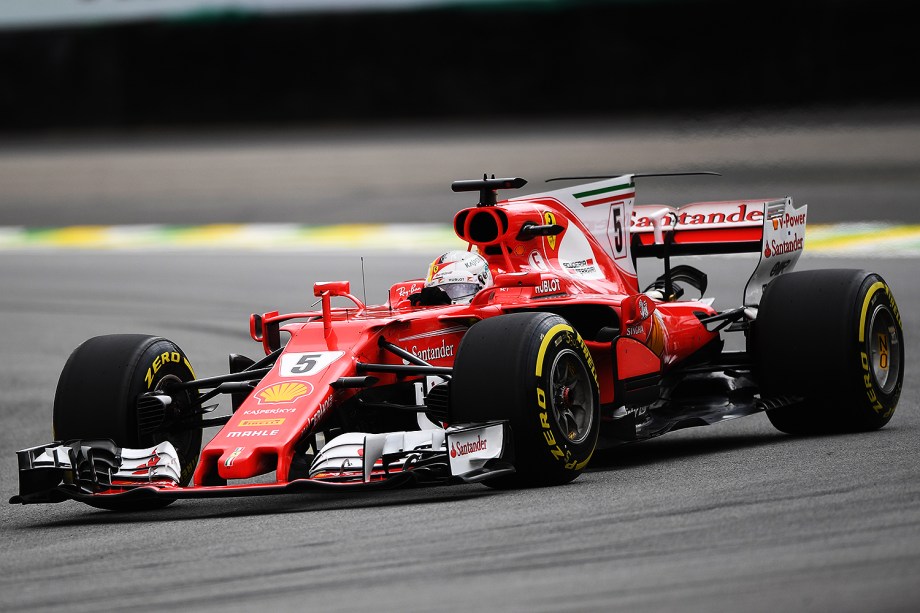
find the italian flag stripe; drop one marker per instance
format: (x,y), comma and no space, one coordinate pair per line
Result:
(607,194)
(605,190)
(615,198)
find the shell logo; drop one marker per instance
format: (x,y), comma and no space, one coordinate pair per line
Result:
(279,393)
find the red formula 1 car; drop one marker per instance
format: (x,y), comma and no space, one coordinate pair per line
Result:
(510,364)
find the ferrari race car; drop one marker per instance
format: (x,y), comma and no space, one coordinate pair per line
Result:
(511,364)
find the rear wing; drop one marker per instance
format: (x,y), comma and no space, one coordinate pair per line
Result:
(773,228)
(701,228)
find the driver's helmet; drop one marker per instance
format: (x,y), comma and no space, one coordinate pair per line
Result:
(459,274)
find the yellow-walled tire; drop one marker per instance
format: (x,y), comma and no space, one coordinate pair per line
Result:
(534,370)
(833,338)
(97,392)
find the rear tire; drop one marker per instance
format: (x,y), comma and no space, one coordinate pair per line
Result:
(97,393)
(534,370)
(833,338)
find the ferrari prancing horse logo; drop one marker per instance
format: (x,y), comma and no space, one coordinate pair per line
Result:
(549,219)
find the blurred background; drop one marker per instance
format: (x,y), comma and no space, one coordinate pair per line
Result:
(330,111)
(128,64)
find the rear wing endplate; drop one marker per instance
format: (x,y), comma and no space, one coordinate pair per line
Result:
(773,228)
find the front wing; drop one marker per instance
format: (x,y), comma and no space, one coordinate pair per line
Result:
(98,471)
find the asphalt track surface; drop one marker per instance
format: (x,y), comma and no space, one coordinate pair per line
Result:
(731,517)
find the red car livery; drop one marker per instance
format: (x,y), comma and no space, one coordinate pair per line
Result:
(559,354)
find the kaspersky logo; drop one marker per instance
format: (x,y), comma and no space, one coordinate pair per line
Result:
(280,393)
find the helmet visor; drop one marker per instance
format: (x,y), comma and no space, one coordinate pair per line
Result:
(457,291)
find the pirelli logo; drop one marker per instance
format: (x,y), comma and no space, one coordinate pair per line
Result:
(261,422)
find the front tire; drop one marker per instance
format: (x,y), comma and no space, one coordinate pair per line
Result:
(534,370)
(97,393)
(834,338)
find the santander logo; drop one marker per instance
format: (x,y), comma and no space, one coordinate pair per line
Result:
(459,449)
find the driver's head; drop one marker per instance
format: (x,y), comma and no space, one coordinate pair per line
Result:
(459,274)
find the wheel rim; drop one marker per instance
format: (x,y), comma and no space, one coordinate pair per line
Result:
(184,441)
(183,402)
(572,397)
(884,349)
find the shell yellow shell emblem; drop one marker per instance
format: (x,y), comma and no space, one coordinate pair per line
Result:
(550,220)
(289,391)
